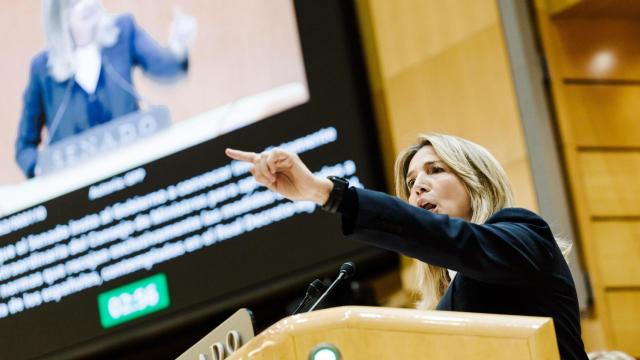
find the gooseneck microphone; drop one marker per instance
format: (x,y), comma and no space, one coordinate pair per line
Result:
(346,271)
(315,289)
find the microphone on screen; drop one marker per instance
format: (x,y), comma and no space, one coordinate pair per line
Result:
(346,271)
(315,289)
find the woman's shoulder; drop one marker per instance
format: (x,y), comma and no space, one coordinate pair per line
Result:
(517,215)
(523,222)
(39,64)
(39,61)
(125,23)
(124,20)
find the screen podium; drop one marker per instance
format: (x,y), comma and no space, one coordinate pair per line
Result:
(357,332)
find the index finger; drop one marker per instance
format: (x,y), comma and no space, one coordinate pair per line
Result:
(241,155)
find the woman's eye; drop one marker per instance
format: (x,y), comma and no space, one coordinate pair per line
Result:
(437,169)
(410,183)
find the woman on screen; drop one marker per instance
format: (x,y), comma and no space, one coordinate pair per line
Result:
(477,253)
(83,78)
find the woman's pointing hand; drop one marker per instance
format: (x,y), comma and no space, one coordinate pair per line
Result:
(283,172)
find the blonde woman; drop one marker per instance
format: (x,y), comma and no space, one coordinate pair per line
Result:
(84,76)
(454,213)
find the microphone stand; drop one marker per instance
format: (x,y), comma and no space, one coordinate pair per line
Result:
(341,275)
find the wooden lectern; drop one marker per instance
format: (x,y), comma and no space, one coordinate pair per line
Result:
(386,333)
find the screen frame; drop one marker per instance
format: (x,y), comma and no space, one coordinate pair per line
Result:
(315,22)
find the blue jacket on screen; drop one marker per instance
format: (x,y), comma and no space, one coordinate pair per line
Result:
(509,265)
(113,97)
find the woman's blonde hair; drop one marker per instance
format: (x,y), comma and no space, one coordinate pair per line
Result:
(486,183)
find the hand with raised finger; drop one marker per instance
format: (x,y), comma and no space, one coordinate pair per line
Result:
(284,173)
(182,33)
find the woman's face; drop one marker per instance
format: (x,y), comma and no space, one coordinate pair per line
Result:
(83,17)
(434,187)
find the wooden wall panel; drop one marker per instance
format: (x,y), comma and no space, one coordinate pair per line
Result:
(611,182)
(449,93)
(624,310)
(604,115)
(599,48)
(519,172)
(617,248)
(558,6)
(594,64)
(408,31)
(629,9)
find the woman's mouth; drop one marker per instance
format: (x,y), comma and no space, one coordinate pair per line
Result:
(429,207)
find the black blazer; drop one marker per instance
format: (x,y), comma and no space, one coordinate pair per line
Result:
(509,265)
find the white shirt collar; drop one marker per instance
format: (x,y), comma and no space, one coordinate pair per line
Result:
(88,64)
(452,274)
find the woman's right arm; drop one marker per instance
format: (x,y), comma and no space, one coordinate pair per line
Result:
(512,245)
(154,59)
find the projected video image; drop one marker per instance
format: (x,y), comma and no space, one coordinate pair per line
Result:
(121,83)
(134,221)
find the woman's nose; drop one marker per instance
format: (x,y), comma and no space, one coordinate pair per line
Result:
(421,186)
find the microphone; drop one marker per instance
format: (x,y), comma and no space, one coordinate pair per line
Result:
(346,271)
(314,289)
